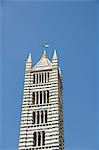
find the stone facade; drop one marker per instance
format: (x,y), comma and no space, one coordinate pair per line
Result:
(42,109)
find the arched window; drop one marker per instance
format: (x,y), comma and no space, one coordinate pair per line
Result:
(43,138)
(33,98)
(45,77)
(36,97)
(41,116)
(48,76)
(45,116)
(34,139)
(47,96)
(39,139)
(39,78)
(33,78)
(37,117)
(33,117)
(41,97)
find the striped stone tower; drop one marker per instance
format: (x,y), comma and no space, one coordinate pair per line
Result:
(42,109)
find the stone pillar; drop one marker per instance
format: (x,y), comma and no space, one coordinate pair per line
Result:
(46,77)
(46,97)
(39,117)
(44,116)
(38,77)
(35,97)
(36,117)
(41,138)
(39,97)
(36,138)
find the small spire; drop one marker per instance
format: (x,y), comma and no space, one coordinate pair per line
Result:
(55,55)
(29,57)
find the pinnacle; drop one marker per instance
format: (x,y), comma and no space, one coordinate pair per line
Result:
(55,55)
(29,57)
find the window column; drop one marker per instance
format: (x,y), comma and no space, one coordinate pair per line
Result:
(46,97)
(46,76)
(41,138)
(43,116)
(39,117)
(36,138)
(36,117)
(39,97)
(43,77)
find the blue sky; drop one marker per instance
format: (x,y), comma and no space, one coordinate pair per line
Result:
(69,27)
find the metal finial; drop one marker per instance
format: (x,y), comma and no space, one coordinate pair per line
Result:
(44,52)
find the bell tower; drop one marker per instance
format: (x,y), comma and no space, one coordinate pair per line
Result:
(42,108)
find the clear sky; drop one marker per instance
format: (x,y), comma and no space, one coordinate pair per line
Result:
(69,27)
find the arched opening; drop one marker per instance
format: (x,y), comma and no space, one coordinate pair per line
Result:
(43,138)
(37,78)
(45,116)
(45,77)
(41,97)
(47,96)
(37,117)
(33,78)
(41,116)
(48,76)
(34,139)
(39,139)
(33,117)
(33,98)
(36,97)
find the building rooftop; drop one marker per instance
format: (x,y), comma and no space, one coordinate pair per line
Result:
(43,64)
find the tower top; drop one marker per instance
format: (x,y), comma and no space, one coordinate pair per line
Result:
(43,64)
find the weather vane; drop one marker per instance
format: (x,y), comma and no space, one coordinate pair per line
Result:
(46,45)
